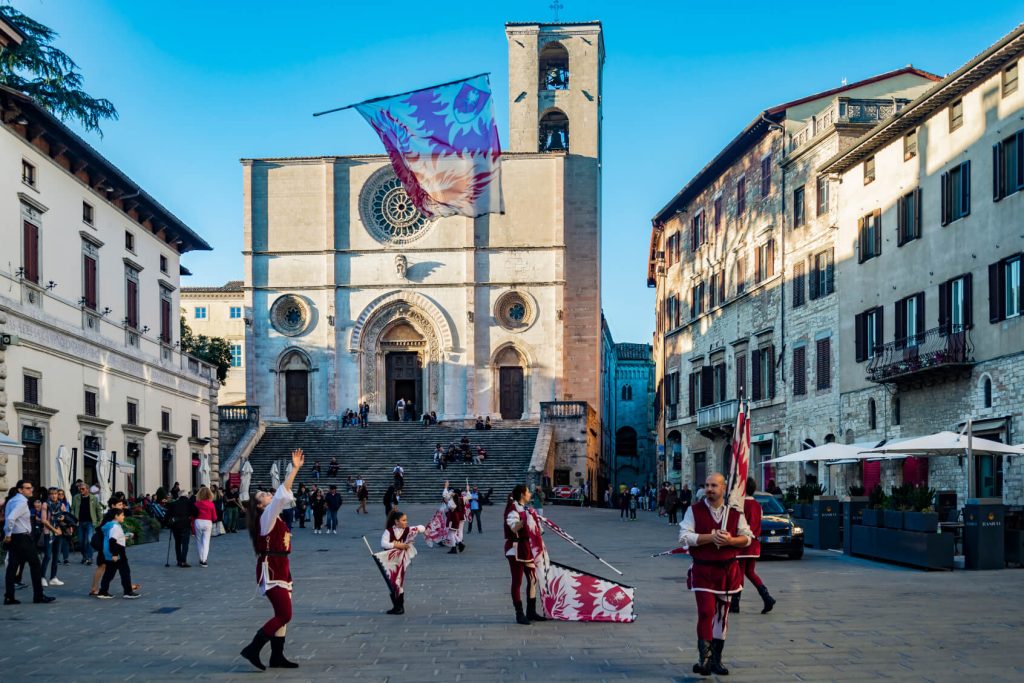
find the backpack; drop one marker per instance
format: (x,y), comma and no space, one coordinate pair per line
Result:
(97,540)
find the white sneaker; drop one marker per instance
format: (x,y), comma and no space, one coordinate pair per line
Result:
(335,532)
(44,583)
(56,582)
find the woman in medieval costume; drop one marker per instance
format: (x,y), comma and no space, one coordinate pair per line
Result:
(398,542)
(523,545)
(456,516)
(272,542)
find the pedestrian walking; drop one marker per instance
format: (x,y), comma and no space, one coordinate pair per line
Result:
(20,548)
(218,507)
(334,501)
(115,544)
(398,541)
(113,505)
(89,511)
(53,532)
(474,510)
(398,477)
(69,526)
(714,535)
(362,494)
(271,541)
(537,500)
(181,511)
(302,503)
(390,501)
(319,505)
(748,557)
(232,504)
(672,504)
(400,409)
(202,528)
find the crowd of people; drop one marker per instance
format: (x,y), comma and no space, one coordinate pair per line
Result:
(458,451)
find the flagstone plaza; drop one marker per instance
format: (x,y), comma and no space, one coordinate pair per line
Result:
(837,618)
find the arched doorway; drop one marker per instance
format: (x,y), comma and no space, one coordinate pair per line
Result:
(295,369)
(511,384)
(403,349)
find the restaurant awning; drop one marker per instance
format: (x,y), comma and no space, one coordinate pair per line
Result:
(944,444)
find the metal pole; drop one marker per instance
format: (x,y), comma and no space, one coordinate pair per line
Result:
(970,461)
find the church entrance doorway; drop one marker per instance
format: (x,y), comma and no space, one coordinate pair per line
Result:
(296,392)
(510,381)
(404,377)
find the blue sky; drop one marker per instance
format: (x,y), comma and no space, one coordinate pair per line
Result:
(200,85)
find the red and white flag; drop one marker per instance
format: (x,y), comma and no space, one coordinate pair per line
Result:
(570,594)
(738,472)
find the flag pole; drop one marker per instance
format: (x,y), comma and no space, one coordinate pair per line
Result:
(565,536)
(408,92)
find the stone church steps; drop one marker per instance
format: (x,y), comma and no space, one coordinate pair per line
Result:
(373,453)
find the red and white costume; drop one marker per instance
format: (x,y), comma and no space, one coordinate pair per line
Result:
(395,561)
(273,569)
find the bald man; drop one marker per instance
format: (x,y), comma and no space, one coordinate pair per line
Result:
(714,534)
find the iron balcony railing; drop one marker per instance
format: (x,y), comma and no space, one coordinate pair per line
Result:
(940,347)
(720,414)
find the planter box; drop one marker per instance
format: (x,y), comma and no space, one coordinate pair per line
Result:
(1014,546)
(928,551)
(871,517)
(925,522)
(825,530)
(892,519)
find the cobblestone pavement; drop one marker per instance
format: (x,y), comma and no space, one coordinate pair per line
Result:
(837,618)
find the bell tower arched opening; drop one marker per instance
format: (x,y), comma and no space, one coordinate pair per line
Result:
(554,67)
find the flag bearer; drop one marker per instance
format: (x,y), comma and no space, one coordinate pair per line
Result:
(748,557)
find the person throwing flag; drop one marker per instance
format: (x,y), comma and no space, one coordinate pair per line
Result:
(714,534)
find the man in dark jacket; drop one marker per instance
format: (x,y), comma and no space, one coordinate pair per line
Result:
(333,499)
(181,511)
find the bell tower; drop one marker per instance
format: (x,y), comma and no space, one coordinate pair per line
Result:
(554,87)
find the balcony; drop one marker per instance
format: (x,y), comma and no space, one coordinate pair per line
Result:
(717,419)
(929,357)
(563,410)
(239,413)
(846,110)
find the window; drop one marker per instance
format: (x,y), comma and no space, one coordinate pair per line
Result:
(132,414)
(129,241)
(718,213)
(554,67)
(908,217)
(799,288)
(671,395)
(90,402)
(165,420)
(672,313)
(1008,166)
(195,428)
(823,363)
(823,279)
(30,252)
(955,306)
(165,315)
(554,132)
(200,313)
(741,196)
(698,230)
(28,174)
(987,392)
(910,321)
(956,115)
(897,416)
(236,355)
(163,263)
(763,377)
(718,382)
(625,442)
(869,229)
(697,299)
(741,274)
(741,374)
(869,170)
(868,333)
(627,393)
(872,422)
(1010,79)
(87,213)
(956,193)
(764,265)
(800,371)
(1004,293)
(695,392)
(131,296)
(798,207)
(716,293)
(822,195)
(766,175)
(910,145)
(90,254)
(235,312)
(31,390)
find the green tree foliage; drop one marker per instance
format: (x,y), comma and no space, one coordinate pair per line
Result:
(49,75)
(213,350)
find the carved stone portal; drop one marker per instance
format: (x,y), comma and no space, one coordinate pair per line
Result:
(373,346)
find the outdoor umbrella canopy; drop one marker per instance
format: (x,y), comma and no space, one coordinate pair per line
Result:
(275,476)
(826,452)
(246,482)
(63,469)
(103,469)
(204,469)
(945,444)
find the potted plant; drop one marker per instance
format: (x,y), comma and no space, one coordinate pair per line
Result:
(856,491)
(872,515)
(899,502)
(922,516)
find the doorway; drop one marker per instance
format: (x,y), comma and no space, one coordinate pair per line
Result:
(31,458)
(510,381)
(296,391)
(404,377)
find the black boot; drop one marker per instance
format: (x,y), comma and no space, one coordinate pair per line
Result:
(520,617)
(399,605)
(461,546)
(277,658)
(531,610)
(252,650)
(769,601)
(734,606)
(703,665)
(716,657)
(394,605)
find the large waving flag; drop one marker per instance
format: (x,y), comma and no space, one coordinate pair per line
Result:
(443,145)
(739,470)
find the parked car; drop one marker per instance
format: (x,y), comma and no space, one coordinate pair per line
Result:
(780,536)
(564,494)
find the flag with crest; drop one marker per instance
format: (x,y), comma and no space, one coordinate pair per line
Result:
(740,467)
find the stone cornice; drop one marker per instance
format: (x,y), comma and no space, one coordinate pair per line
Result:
(94,421)
(135,429)
(168,436)
(35,409)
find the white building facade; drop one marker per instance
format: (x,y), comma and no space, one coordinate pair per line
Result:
(218,312)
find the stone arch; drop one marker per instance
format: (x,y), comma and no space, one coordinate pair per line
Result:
(553,66)
(414,300)
(985,389)
(293,359)
(506,354)
(553,131)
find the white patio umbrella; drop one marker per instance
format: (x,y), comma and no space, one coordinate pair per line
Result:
(204,469)
(63,469)
(103,471)
(246,482)
(828,451)
(275,476)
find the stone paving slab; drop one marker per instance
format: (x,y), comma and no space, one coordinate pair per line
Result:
(838,618)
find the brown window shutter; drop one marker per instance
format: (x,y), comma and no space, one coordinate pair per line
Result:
(946,197)
(133,304)
(880,326)
(31,253)
(968,301)
(707,386)
(917,212)
(921,319)
(741,375)
(692,394)
(89,265)
(965,189)
(996,305)
(901,221)
(770,258)
(878,232)
(901,323)
(860,337)
(944,307)
(770,360)
(755,375)
(998,176)
(799,371)
(862,250)
(823,363)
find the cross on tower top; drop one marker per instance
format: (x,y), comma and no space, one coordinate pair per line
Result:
(555,7)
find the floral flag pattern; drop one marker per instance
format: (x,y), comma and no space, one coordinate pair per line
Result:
(573,595)
(393,564)
(443,145)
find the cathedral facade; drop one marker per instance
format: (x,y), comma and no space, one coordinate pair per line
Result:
(353,296)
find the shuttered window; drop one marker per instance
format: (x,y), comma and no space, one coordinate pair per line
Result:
(823,363)
(741,196)
(910,320)
(30,252)
(823,279)
(165,316)
(908,217)
(868,333)
(1008,166)
(31,389)
(800,371)
(869,231)
(89,281)
(956,193)
(1004,288)
(955,304)
(741,375)
(799,287)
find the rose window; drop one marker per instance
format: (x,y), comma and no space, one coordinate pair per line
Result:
(387,211)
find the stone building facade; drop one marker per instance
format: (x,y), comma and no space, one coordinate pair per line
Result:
(220,312)
(929,249)
(628,443)
(88,289)
(356,297)
(723,267)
